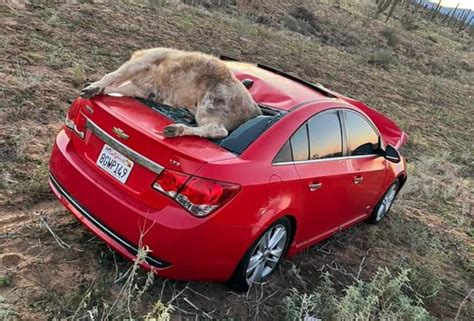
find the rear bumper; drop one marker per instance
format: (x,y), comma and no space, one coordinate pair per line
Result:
(182,246)
(118,243)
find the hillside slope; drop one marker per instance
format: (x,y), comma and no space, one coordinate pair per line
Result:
(419,74)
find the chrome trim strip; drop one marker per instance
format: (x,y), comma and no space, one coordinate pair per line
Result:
(325,159)
(125,150)
(111,234)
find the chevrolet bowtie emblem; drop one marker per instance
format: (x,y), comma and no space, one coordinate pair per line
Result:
(120,133)
(89,109)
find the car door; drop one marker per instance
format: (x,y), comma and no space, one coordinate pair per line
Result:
(368,168)
(317,150)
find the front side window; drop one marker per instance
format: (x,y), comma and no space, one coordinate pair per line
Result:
(362,138)
(325,138)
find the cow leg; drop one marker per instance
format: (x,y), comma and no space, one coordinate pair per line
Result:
(139,62)
(210,130)
(128,89)
(121,75)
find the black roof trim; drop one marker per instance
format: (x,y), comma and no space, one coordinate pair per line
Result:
(224,57)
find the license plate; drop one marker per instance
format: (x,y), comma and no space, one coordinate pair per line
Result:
(114,163)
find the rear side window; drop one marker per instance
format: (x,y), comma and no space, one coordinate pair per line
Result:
(299,144)
(362,138)
(285,154)
(325,138)
(318,138)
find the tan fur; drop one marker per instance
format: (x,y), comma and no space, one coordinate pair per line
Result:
(201,83)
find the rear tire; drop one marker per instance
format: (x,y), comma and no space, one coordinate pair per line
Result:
(263,256)
(384,205)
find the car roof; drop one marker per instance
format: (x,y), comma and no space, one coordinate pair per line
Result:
(273,88)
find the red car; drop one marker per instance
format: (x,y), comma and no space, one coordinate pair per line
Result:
(229,210)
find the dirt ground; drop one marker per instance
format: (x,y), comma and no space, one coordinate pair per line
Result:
(417,72)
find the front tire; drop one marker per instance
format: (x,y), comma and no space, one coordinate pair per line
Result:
(384,205)
(263,257)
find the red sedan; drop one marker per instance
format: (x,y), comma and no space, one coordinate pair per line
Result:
(314,163)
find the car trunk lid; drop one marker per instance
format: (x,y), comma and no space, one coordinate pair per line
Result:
(136,131)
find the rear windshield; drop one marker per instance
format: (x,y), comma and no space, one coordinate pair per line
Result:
(239,139)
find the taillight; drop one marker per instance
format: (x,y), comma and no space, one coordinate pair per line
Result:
(75,120)
(169,182)
(198,195)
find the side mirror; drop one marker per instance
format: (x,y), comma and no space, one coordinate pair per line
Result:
(392,154)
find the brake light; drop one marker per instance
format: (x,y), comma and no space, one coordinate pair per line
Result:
(198,195)
(75,120)
(169,182)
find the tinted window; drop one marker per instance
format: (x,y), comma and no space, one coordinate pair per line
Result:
(284,155)
(239,139)
(299,144)
(363,140)
(325,138)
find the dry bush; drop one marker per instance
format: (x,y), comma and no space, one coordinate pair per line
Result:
(5,312)
(424,282)
(303,14)
(301,20)
(128,301)
(384,297)
(297,25)
(391,36)
(383,58)
(410,22)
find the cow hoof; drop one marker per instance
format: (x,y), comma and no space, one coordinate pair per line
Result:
(90,91)
(173,131)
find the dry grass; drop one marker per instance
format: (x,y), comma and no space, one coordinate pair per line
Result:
(384,297)
(418,74)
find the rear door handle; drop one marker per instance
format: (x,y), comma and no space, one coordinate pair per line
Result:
(314,186)
(358,179)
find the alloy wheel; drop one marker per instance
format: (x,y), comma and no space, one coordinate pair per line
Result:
(386,202)
(266,254)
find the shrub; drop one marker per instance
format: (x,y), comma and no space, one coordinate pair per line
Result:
(5,281)
(128,301)
(297,25)
(301,20)
(303,14)
(5,312)
(383,58)
(382,298)
(424,282)
(409,22)
(391,36)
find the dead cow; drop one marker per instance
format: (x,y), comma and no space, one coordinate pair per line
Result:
(201,83)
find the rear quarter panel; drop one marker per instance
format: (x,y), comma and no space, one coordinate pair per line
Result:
(264,192)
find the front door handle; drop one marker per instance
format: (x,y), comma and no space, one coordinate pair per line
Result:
(358,179)
(314,186)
